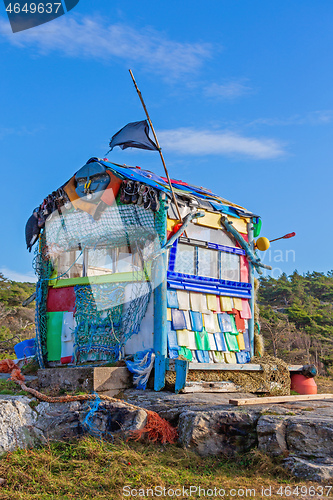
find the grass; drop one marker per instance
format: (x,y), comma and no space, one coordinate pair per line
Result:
(324,384)
(11,388)
(94,469)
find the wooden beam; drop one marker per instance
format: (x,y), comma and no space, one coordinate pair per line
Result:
(247,367)
(227,387)
(97,280)
(279,399)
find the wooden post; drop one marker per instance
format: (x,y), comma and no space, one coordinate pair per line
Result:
(160,313)
(251,275)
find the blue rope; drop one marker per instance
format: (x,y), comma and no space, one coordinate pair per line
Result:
(88,423)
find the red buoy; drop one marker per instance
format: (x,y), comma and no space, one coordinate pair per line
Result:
(302,384)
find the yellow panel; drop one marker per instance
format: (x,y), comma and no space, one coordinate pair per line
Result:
(211,302)
(218,357)
(197,302)
(239,224)
(183,300)
(171,223)
(226,304)
(210,220)
(183,338)
(230,357)
(169,314)
(216,322)
(238,304)
(240,341)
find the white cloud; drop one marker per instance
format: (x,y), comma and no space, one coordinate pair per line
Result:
(20,131)
(321,117)
(189,141)
(16,276)
(228,90)
(88,37)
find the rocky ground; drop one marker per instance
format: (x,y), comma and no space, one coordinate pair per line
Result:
(301,432)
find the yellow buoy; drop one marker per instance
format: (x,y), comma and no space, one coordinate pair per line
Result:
(262,244)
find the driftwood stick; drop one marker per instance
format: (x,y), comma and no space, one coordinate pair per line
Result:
(158,146)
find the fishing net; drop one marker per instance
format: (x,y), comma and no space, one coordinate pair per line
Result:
(43,269)
(117,227)
(122,242)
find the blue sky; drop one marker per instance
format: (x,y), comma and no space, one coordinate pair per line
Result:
(240,94)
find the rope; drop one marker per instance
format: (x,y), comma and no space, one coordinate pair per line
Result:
(156,428)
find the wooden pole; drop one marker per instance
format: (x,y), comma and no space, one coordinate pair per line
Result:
(158,146)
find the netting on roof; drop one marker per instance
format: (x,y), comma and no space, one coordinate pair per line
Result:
(108,311)
(118,226)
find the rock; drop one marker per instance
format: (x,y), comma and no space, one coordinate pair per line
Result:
(57,421)
(17,424)
(218,432)
(2,481)
(113,418)
(310,437)
(319,471)
(271,432)
(22,426)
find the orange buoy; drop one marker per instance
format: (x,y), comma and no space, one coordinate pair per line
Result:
(302,384)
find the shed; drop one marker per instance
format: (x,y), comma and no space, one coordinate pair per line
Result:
(119,274)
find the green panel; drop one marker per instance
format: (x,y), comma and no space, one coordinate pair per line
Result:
(257,228)
(184,351)
(53,336)
(231,342)
(202,340)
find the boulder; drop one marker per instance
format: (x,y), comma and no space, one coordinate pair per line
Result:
(218,432)
(271,431)
(24,424)
(17,424)
(320,471)
(310,437)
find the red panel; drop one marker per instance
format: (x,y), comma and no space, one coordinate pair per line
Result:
(240,323)
(61,299)
(244,269)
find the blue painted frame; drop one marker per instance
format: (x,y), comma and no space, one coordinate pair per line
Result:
(180,281)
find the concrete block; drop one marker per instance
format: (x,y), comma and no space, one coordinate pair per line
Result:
(111,378)
(67,378)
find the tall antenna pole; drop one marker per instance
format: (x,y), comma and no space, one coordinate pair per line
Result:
(158,146)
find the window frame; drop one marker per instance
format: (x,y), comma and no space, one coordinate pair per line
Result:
(196,244)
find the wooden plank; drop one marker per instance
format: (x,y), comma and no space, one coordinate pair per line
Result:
(181,374)
(159,372)
(229,367)
(224,367)
(96,280)
(192,387)
(280,399)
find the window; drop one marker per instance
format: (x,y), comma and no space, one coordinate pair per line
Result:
(97,262)
(202,233)
(230,266)
(197,260)
(207,262)
(70,264)
(185,259)
(100,261)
